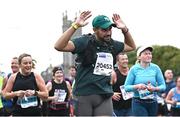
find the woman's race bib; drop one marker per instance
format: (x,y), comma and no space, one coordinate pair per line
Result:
(26,102)
(60,94)
(145,94)
(126,95)
(177,104)
(160,100)
(59,103)
(104,64)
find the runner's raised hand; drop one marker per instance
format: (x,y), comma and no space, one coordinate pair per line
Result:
(81,20)
(118,21)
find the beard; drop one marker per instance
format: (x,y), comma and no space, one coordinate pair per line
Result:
(107,39)
(103,38)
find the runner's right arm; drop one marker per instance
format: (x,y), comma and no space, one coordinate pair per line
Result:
(63,43)
(7,91)
(49,87)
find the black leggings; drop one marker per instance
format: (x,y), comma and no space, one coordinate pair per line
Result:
(175,111)
(63,112)
(93,105)
(32,111)
(1,112)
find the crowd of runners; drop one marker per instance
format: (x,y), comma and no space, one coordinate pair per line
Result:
(99,84)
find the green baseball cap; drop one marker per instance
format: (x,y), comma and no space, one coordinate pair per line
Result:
(102,21)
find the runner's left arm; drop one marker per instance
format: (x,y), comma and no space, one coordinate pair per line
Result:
(43,92)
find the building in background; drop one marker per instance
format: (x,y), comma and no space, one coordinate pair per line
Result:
(68,57)
(47,74)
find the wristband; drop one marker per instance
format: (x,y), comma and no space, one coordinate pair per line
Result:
(75,26)
(124,32)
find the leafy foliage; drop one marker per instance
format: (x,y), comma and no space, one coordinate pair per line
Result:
(167,57)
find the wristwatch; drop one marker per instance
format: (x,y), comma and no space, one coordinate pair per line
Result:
(35,93)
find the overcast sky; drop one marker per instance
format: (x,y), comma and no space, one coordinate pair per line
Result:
(33,26)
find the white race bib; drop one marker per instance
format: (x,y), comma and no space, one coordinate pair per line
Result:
(145,94)
(61,94)
(26,102)
(104,64)
(177,104)
(126,95)
(160,100)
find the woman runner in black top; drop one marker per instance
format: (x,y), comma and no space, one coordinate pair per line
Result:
(59,94)
(26,88)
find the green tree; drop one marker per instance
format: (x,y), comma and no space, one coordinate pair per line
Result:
(167,57)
